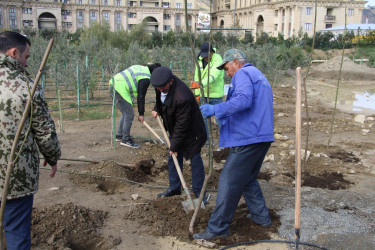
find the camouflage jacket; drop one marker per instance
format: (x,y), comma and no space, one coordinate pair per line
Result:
(14,94)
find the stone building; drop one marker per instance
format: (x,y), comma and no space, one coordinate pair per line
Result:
(159,15)
(285,17)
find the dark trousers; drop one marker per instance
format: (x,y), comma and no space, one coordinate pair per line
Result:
(197,172)
(17,223)
(239,177)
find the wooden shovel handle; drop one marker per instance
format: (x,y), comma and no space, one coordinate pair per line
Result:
(175,160)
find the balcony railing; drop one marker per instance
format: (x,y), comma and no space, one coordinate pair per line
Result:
(329,18)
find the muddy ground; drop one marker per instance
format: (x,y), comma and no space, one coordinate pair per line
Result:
(111,203)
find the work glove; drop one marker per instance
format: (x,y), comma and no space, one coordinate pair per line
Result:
(198,98)
(194,85)
(207,110)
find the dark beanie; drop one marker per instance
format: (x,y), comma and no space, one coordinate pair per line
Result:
(160,76)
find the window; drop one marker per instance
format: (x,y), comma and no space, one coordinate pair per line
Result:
(80,17)
(275,26)
(93,2)
(92,15)
(118,25)
(178,21)
(132,15)
(132,3)
(66,12)
(66,25)
(156,5)
(80,1)
(178,5)
(165,5)
(276,12)
(12,18)
(307,26)
(105,2)
(308,11)
(167,16)
(166,27)
(350,12)
(328,25)
(189,6)
(118,2)
(106,16)
(27,23)
(27,11)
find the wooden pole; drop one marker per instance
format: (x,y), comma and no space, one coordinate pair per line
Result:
(298,158)
(78,92)
(16,138)
(88,79)
(114,113)
(60,110)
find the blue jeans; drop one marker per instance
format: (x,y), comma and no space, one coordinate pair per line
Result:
(213,101)
(17,223)
(197,172)
(239,177)
(127,116)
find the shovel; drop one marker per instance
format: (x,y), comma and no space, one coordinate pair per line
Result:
(152,131)
(189,204)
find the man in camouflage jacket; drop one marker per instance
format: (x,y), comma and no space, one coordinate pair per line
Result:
(38,133)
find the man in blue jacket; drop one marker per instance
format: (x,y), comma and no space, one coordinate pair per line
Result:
(247,128)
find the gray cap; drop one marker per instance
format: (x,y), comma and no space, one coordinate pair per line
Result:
(230,55)
(160,76)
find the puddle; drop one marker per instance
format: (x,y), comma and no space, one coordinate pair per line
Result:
(364,100)
(359,98)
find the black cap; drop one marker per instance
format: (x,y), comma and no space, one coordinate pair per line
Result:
(204,49)
(160,76)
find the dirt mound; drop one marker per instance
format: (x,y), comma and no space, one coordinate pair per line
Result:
(110,177)
(350,70)
(66,225)
(166,217)
(326,180)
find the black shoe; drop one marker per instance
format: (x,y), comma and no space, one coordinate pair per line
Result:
(169,193)
(207,235)
(130,143)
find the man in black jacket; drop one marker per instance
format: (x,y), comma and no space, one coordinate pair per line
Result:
(176,105)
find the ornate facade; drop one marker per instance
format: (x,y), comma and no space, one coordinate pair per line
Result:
(159,15)
(285,17)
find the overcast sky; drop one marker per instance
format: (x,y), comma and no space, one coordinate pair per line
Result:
(370,2)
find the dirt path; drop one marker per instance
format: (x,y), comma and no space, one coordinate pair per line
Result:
(106,206)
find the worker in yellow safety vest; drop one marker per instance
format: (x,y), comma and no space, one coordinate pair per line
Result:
(129,84)
(215,80)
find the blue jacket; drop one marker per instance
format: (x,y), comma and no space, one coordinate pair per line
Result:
(247,114)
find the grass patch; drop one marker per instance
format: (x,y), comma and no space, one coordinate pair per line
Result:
(85,115)
(367,52)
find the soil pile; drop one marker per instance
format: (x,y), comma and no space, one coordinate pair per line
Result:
(166,217)
(66,225)
(350,70)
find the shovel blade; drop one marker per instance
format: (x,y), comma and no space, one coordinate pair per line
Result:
(189,205)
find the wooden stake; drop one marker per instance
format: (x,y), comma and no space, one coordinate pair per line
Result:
(298,157)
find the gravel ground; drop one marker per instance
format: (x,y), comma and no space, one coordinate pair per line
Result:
(335,219)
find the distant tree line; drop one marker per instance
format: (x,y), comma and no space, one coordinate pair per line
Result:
(110,52)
